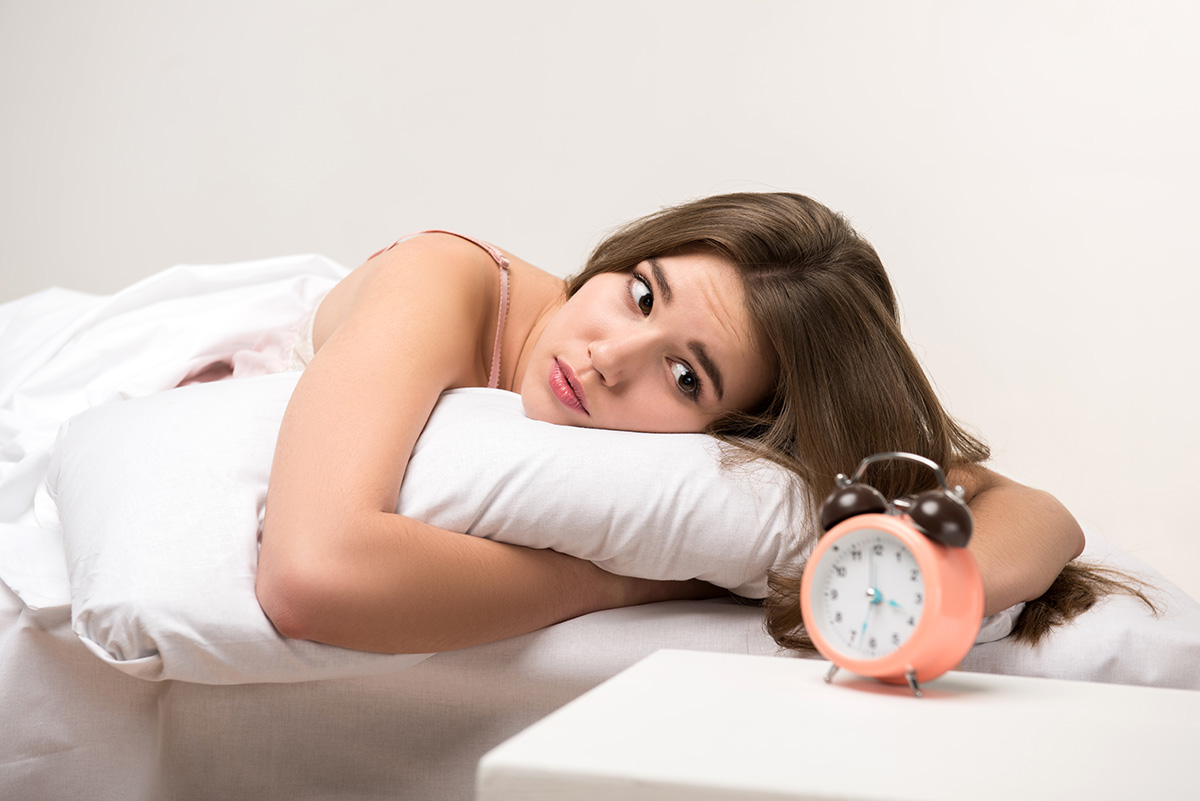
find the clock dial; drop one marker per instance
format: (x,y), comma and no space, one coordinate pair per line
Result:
(869,594)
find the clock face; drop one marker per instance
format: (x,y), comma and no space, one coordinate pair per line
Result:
(868,594)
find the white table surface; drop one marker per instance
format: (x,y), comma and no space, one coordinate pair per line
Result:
(708,726)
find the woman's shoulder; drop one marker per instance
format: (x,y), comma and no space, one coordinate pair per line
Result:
(532,285)
(431,269)
(437,268)
(476,261)
(461,254)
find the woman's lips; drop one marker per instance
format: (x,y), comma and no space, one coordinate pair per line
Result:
(566,387)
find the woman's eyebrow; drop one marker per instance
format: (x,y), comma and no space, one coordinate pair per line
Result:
(696,347)
(660,278)
(709,366)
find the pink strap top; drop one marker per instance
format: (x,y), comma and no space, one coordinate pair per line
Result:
(502,263)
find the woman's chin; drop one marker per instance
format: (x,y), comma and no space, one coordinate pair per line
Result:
(549,410)
(539,409)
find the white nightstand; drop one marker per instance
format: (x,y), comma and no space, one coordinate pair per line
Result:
(692,726)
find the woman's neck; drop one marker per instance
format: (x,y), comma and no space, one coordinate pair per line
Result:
(535,331)
(534,297)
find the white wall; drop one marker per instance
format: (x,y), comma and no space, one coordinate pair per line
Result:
(1026,169)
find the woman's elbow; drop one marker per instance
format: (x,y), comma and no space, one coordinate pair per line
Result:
(289,595)
(1067,531)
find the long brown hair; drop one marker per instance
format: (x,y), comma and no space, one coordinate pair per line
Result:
(848,383)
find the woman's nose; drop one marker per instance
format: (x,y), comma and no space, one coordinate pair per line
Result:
(617,358)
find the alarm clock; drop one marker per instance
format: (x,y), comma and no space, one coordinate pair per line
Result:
(891,591)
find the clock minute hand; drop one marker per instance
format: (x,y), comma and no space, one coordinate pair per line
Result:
(873,596)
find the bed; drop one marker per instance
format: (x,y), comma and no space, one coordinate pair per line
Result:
(134,665)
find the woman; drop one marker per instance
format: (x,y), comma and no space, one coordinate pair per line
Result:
(763,319)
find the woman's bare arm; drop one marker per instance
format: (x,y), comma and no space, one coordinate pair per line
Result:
(1023,536)
(336,564)
(401,586)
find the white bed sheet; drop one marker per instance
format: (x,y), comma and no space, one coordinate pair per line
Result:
(74,727)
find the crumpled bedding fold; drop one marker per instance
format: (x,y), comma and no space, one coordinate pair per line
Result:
(62,352)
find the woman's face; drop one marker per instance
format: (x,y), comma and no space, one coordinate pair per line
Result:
(665,348)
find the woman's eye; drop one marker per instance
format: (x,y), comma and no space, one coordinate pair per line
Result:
(687,381)
(639,290)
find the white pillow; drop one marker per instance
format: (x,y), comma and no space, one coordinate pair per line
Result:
(1119,640)
(161,497)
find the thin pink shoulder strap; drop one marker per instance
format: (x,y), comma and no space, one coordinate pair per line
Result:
(502,263)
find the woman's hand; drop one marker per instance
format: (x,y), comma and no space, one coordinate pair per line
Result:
(1023,536)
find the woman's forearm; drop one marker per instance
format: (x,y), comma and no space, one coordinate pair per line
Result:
(1023,537)
(395,585)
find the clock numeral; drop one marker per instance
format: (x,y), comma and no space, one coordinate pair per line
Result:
(878,549)
(855,554)
(895,639)
(914,574)
(912,621)
(837,618)
(853,634)
(920,598)
(840,570)
(833,595)
(871,642)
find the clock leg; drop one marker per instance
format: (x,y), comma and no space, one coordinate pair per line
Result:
(833,669)
(911,675)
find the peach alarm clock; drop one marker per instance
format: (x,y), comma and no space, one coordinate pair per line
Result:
(891,591)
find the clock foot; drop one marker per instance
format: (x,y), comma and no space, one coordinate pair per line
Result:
(833,669)
(911,676)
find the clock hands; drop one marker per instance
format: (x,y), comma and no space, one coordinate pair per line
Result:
(874,597)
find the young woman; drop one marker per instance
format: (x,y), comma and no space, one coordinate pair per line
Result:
(762,319)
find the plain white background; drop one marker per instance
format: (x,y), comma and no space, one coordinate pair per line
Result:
(1028,171)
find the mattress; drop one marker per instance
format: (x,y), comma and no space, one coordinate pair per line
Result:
(75,727)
